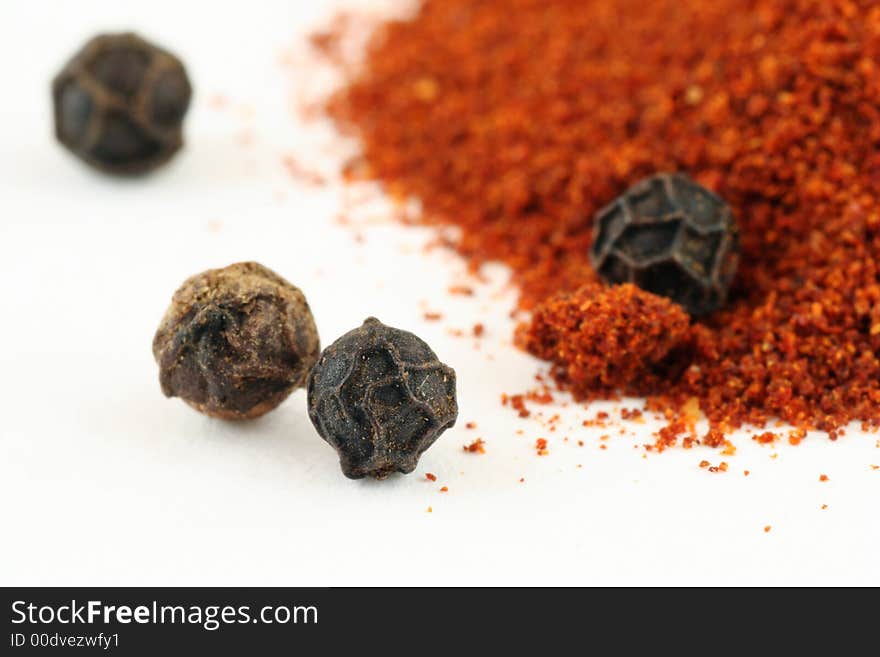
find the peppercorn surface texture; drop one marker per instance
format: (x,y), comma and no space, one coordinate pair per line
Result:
(517,121)
(236,341)
(380,397)
(120,104)
(669,236)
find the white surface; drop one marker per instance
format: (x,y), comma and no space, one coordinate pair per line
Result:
(104,481)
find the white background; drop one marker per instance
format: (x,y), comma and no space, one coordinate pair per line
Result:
(105,481)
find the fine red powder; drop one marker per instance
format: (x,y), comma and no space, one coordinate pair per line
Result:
(516,121)
(478,446)
(603,339)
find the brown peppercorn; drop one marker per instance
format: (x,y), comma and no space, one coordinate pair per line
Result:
(120,103)
(236,341)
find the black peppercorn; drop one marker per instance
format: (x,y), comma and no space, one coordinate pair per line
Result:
(669,236)
(380,397)
(120,102)
(236,341)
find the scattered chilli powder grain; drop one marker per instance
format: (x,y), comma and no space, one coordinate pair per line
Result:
(824,506)
(540,112)
(875,467)
(517,402)
(714,438)
(766,438)
(668,435)
(462,290)
(432,316)
(329,42)
(634,414)
(746,473)
(542,396)
(767,529)
(470,425)
(541,446)
(430,476)
(444,489)
(795,437)
(704,464)
(300,173)
(218,102)
(476,447)
(478,330)
(823,477)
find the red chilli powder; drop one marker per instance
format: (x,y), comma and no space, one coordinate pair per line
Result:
(516,121)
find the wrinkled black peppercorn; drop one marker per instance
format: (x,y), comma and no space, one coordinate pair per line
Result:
(236,341)
(380,397)
(669,236)
(120,102)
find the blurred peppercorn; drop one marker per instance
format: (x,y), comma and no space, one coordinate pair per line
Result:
(120,103)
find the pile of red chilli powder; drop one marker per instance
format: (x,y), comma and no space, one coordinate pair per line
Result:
(516,120)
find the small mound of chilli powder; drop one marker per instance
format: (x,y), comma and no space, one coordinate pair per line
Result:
(605,339)
(516,121)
